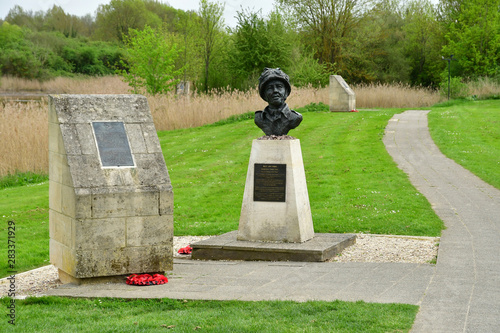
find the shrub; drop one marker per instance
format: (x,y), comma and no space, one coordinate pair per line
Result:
(458,89)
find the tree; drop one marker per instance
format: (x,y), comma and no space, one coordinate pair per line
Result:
(423,42)
(326,25)
(473,35)
(210,25)
(259,43)
(151,61)
(114,20)
(185,25)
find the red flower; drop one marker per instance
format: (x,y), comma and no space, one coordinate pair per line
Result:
(185,250)
(146,279)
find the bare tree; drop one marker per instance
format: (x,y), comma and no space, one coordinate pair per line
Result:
(325,24)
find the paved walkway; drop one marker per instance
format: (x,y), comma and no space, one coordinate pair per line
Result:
(464,292)
(459,294)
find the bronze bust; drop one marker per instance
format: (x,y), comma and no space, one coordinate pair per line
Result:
(277,118)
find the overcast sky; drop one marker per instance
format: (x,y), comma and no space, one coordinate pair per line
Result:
(81,8)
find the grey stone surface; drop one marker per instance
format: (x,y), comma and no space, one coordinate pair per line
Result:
(342,98)
(321,247)
(261,280)
(107,221)
(288,221)
(463,293)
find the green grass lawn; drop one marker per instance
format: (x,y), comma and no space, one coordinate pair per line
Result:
(54,314)
(469,133)
(353,183)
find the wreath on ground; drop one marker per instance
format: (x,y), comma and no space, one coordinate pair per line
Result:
(146,279)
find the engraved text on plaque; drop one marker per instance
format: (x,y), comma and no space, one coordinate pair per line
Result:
(112,143)
(269,182)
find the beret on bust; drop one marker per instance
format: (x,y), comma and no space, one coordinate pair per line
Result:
(273,74)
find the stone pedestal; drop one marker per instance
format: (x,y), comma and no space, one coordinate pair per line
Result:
(110,196)
(276,221)
(342,98)
(275,202)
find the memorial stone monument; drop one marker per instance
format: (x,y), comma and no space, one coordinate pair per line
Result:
(276,220)
(275,202)
(110,196)
(342,98)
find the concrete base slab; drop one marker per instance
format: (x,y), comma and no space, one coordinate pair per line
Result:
(226,247)
(67,278)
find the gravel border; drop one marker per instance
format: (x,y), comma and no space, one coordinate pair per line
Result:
(368,248)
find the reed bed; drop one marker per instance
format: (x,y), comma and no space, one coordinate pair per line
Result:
(394,96)
(23,126)
(170,112)
(484,88)
(65,85)
(24,138)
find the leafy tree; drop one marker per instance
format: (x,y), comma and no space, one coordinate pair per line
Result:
(186,26)
(151,61)
(259,43)
(18,16)
(114,20)
(17,54)
(473,35)
(210,27)
(423,42)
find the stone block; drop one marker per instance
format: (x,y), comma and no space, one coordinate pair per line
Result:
(102,234)
(70,139)
(55,196)
(56,143)
(109,214)
(62,257)
(342,98)
(61,228)
(153,169)
(150,137)
(68,200)
(287,221)
(59,169)
(136,138)
(86,139)
(166,199)
(321,247)
(150,230)
(120,261)
(86,171)
(83,203)
(124,202)
(87,108)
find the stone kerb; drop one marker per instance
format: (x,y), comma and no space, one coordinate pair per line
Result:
(342,98)
(107,221)
(279,221)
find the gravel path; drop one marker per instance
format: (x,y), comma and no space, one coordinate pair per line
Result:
(368,248)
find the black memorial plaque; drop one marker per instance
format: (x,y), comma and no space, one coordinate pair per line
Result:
(113,145)
(269,182)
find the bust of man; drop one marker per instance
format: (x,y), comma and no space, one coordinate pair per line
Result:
(277,118)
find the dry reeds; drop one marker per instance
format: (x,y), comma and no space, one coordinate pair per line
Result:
(170,112)
(23,137)
(23,126)
(484,88)
(394,96)
(65,85)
